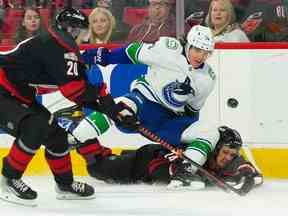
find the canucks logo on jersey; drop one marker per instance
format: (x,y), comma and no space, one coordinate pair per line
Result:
(176,93)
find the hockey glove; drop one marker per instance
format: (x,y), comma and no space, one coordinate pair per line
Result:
(96,56)
(124,116)
(244,179)
(104,102)
(181,175)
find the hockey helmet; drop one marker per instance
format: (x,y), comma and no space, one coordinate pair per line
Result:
(200,37)
(228,137)
(72,20)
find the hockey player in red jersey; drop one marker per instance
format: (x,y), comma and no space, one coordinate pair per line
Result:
(153,164)
(51,58)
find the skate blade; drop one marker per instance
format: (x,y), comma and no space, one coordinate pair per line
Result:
(15,200)
(70,196)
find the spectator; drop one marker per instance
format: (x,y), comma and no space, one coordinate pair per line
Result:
(30,24)
(160,22)
(2,15)
(221,19)
(104,4)
(101,25)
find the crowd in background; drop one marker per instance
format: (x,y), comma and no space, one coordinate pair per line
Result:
(123,21)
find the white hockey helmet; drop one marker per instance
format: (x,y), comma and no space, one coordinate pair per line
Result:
(200,37)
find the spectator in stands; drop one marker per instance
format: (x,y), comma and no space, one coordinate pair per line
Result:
(221,19)
(2,14)
(104,4)
(160,22)
(29,26)
(101,25)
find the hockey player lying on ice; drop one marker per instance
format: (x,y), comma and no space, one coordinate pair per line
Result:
(153,164)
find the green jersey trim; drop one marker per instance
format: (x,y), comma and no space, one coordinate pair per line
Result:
(202,146)
(132,51)
(99,121)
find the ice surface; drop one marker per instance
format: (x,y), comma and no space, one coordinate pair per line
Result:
(142,200)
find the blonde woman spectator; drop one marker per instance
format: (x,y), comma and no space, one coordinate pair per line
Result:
(221,19)
(101,25)
(29,26)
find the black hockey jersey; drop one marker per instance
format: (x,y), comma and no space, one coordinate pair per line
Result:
(51,58)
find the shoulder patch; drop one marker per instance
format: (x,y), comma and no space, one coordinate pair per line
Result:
(172,43)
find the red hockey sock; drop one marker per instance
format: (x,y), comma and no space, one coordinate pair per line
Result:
(59,165)
(92,148)
(16,162)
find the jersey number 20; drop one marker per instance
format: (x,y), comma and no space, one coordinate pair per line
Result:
(72,68)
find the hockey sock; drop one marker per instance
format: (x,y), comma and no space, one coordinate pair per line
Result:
(92,148)
(61,168)
(15,163)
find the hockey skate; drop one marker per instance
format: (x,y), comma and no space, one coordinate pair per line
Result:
(75,191)
(17,192)
(183,179)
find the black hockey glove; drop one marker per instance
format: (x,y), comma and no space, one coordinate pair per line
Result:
(96,56)
(244,179)
(105,104)
(124,116)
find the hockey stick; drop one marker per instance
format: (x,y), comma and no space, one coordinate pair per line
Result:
(217,180)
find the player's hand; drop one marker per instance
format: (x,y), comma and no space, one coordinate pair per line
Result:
(125,117)
(245,179)
(96,56)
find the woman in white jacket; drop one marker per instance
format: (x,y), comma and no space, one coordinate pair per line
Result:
(221,19)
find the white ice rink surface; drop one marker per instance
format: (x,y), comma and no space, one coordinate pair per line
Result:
(141,200)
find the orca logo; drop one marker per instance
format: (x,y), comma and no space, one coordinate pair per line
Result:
(176,93)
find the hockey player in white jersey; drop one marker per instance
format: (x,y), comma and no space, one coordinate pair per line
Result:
(168,99)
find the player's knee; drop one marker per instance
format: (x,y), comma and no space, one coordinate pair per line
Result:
(56,142)
(32,131)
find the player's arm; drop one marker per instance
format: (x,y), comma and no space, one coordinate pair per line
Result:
(243,175)
(124,55)
(135,53)
(69,73)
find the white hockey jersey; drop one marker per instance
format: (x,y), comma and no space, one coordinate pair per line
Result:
(170,79)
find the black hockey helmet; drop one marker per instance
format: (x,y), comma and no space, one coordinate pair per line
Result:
(72,21)
(228,137)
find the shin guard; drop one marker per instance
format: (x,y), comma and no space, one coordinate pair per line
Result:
(61,167)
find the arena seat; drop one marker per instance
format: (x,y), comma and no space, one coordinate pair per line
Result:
(45,14)
(86,11)
(11,21)
(133,16)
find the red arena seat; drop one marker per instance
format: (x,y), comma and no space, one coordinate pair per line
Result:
(133,16)
(45,16)
(11,21)
(87,11)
